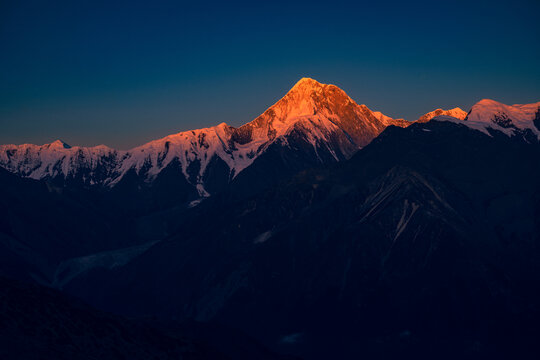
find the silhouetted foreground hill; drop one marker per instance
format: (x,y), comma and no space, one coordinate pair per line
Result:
(41,323)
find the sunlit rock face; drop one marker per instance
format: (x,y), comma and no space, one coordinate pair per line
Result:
(321,110)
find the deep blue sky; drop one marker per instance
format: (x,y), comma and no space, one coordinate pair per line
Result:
(125,72)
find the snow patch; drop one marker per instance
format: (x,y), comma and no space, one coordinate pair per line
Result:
(408,212)
(261,238)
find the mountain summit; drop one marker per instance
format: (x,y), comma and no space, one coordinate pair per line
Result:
(506,118)
(455,112)
(307,84)
(58,144)
(490,116)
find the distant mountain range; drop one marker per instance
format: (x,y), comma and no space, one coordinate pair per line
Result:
(322,229)
(319,121)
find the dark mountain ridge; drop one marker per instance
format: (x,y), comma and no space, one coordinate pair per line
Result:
(433,234)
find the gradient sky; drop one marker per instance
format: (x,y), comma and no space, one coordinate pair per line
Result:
(122,73)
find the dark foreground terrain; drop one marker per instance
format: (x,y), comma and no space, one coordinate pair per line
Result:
(423,244)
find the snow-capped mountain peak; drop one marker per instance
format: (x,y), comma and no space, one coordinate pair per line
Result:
(306,98)
(455,112)
(58,144)
(505,118)
(488,115)
(306,83)
(485,109)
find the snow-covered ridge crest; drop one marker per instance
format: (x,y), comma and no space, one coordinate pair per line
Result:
(488,115)
(455,112)
(59,159)
(313,115)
